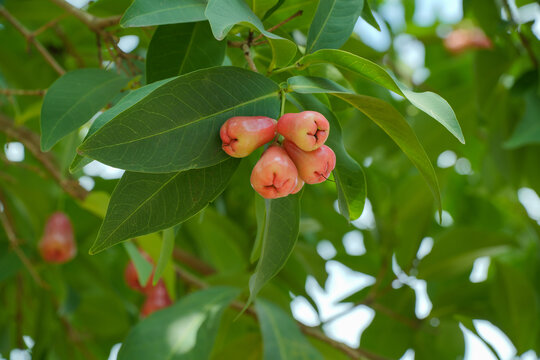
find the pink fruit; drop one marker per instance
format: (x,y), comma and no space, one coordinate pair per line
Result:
(314,166)
(241,135)
(299,185)
(274,175)
(308,129)
(57,244)
(157,298)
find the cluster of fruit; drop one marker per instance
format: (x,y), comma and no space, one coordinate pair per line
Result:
(157,296)
(58,244)
(283,168)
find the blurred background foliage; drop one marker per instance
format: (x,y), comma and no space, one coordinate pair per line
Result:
(489,190)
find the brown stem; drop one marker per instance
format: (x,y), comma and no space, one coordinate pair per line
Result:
(69,46)
(193,262)
(7,224)
(31,39)
(247,55)
(31,141)
(23,92)
(311,331)
(396,316)
(93,22)
(48,25)
(296,14)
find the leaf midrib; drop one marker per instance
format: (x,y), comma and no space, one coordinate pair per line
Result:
(273,325)
(323,26)
(131,20)
(85,149)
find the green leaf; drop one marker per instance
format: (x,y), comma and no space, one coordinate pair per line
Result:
(280,234)
(430,103)
(165,255)
(367,15)
(349,176)
(515,302)
(125,103)
(333,24)
(176,127)
(151,12)
(185,330)
(527,131)
(73,99)
(391,121)
(144,203)
(182,48)
(273,9)
(142,266)
(260,215)
(455,251)
(281,337)
(224,14)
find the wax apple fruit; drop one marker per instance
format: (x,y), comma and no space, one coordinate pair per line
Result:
(241,135)
(57,244)
(299,185)
(274,175)
(308,129)
(461,40)
(157,298)
(314,166)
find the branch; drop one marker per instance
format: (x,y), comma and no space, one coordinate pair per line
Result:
(247,55)
(7,224)
(93,22)
(31,39)
(31,141)
(308,330)
(296,14)
(23,92)
(193,262)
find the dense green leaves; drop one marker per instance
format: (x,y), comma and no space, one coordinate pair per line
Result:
(429,102)
(224,14)
(455,251)
(144,203)
(151,12)
(281,336)
(73,99)
(279,238)
(182,48)
(333,24)
(176,126)
(186,330)
(527,131)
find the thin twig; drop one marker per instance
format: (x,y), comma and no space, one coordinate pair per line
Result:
(70,48)
(48,25)
(23,92)
(93,22)
(12,237)
(247,55)
(193,262)
(31,141)
(522,37)
(311,331)
(296,14)
(31,39)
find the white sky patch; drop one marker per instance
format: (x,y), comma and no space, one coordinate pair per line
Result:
(447,219)
(96,168)
(425,247)
(114,351)
(78,3)
(353,241)
(326,250)
(409,355)
(87,182)
(480,269)
(463,166)
(474,347)
(531,202)
(304,312)
(426,12)
(378,40)
(496,338)
(367,220)
(128,43)
(14,151)
(348,329)
(446,159)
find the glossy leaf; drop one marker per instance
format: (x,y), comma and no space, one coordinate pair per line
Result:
(279,238)
(142,266)
(367,15)
(333,24)
(166,253)
(182,48)
(281,337)
(429,102)
(73,99)
(185,330)
(151,12)
(455,251)
(176,127)
(527,131)
(260,214)
(144,203)
(224,14)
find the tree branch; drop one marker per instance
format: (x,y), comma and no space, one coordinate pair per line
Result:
(308,330)
(296,14)
(31,39)
(93,22)
(193,262)
(23,92)
(31,141)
